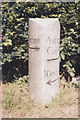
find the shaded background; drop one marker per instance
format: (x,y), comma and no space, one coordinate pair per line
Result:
(0,47)
(15,36)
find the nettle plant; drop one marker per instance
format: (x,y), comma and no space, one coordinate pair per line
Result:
(68,50)
(15,35)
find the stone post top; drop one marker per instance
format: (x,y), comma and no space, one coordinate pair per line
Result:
(43,19)
(40,21)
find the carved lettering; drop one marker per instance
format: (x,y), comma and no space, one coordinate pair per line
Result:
(56,41)
(51,81)
(46,72)
(34,40)
(51,51)
(49,73)
(49,39)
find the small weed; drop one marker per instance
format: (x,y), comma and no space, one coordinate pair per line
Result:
(15,97)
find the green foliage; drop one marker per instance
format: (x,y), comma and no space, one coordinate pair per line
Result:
(22,80)
(15,34)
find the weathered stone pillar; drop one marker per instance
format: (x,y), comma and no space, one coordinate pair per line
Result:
(44,40)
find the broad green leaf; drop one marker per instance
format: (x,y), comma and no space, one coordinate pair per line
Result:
(78,50)
(62,56)
(72,74)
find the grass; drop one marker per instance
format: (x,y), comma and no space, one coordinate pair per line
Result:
(16,102)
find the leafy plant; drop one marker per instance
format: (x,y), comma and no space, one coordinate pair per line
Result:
(15,35)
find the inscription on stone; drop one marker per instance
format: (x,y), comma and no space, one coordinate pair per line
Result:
(51,81)
(53,41)
(34,39)
(49,73)
(51,51)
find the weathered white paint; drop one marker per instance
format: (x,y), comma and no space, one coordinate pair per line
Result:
(44,40)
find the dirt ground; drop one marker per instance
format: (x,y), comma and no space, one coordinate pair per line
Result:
(17,103)
(65,112)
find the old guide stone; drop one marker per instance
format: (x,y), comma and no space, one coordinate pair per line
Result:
(44,39)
